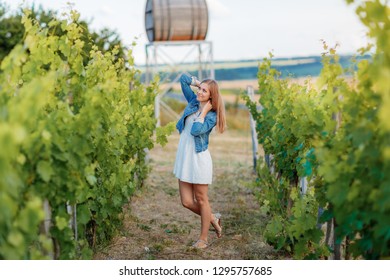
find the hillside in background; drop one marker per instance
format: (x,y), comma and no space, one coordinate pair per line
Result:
(247,69)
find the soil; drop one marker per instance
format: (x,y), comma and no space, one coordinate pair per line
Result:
(157,226)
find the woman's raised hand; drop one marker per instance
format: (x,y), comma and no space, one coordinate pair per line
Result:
(195,82)
(207,107)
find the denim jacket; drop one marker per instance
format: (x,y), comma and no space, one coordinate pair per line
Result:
(199,130)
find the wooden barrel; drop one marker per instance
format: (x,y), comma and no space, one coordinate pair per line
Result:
(176,20)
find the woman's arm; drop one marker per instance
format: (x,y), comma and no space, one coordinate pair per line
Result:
(185,82)
(201,125)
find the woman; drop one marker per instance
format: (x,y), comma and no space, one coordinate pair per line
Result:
(193,165)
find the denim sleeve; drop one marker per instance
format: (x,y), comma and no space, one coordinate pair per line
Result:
(185,82)
(199,128)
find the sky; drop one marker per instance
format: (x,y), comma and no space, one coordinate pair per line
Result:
(238,29)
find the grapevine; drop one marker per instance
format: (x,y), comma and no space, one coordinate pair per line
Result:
(74,130)
(335,134)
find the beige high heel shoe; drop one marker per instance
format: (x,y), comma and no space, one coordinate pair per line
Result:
(216,223)
(200,244)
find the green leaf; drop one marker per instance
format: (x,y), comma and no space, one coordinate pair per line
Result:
(83,214)
(91,180)
(163,132)
(61,222)
(45,170)
(16,239)
(308,168)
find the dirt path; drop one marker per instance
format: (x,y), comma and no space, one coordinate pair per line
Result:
(156,226)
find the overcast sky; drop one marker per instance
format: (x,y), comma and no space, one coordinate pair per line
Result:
(239,29)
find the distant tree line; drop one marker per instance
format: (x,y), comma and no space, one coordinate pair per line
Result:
(311,68)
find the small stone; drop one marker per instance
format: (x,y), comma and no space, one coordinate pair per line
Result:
(237,237)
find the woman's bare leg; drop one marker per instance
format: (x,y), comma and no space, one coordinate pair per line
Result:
(187,196)
(202,198)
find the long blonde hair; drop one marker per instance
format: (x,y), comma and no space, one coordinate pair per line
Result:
(217,103)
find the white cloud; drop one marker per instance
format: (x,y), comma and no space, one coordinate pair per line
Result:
(218,9)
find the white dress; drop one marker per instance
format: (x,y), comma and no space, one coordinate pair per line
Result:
(190,166)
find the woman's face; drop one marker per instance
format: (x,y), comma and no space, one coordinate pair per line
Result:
(203,93)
